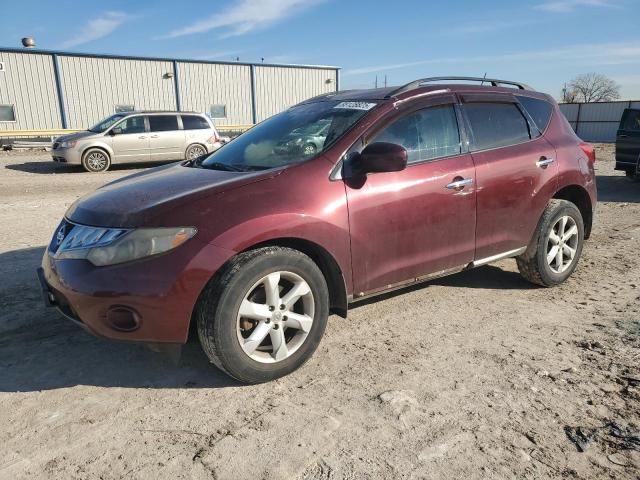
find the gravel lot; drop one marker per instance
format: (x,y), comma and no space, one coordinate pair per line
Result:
(478,375)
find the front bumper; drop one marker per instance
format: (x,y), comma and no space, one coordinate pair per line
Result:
(66,155)
(149,300)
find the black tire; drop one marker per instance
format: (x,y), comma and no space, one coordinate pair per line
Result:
(533,264)
(219,304)
(195,151)
(96,160)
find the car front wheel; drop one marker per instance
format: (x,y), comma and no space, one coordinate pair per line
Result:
(96,160)
(263,316)
(554,252)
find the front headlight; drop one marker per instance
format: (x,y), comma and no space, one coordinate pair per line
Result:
(68,144)
(102,246)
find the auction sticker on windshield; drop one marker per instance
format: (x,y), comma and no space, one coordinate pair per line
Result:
(355,105)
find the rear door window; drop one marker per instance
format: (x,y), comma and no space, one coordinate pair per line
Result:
(631,120)
(426,134)
(495,125)
(538,110)
(163,123)
(194,122)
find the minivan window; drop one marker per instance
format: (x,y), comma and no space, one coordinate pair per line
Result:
(538,110)
(283,139)
(496,125)
(631,120)
(163,123)
(106,123)
(131,125)
(426,134)
(194,122)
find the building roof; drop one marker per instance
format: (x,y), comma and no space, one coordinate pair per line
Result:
(161,59)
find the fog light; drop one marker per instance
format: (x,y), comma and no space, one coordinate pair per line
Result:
(123,319)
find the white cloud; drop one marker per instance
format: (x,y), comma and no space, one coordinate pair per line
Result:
(245,16)
(587,54)
(97,28)
(566,6)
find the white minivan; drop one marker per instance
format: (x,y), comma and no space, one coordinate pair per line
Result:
(139,137)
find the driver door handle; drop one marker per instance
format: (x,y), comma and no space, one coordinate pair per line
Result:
(544,162)
(142,137)
(154,136)
(459,183)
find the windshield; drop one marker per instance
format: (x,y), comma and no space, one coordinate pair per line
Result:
(106,123)
(289,137)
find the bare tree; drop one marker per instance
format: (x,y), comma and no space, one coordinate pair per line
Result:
(591,87)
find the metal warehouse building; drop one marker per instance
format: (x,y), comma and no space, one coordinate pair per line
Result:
(51,90)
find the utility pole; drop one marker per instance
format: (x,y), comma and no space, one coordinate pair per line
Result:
(376,81)
(385,81)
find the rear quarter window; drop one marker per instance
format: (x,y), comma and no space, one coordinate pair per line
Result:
(538,110)
(194,122)
(495,125)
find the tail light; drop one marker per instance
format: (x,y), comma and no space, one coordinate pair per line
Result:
(589,151)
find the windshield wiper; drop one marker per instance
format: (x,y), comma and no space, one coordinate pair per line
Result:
(223,166)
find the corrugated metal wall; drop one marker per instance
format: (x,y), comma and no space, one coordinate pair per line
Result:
(28,84)
(596,122)
(277,88)
(203,85)
(94,86)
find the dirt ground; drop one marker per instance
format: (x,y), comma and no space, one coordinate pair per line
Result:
(478,375)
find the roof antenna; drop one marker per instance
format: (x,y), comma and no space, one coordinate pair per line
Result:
(485,76)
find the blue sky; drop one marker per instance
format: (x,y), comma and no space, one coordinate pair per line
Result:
(541,42)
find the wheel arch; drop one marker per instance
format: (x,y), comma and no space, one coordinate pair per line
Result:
(103,148)
(579,196)
(338,302)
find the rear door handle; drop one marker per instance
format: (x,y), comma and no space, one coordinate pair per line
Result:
(154,136)
(544,162)
(460,184)
(142,137)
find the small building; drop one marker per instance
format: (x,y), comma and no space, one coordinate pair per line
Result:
(41,89)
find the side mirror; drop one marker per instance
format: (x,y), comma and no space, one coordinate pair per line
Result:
(115,131)
(380,157)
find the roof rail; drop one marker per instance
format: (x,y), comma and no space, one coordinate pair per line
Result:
(493,81)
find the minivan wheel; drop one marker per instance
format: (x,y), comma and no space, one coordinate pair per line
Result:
(263,316)
(195,151)
(553,254)
(96,160)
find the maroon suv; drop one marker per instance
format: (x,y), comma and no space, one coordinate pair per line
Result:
(260,241)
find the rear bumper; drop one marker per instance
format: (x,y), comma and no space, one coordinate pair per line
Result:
(151,300)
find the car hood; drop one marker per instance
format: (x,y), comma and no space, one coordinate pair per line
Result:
(143,198)
(75,136)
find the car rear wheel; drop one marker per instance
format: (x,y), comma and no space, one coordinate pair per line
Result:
(96,160)
(554,252)
(309,149)
(263,316)
(195,151)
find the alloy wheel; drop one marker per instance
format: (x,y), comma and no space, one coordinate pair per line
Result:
(97,161)
(275,317)
(562,244)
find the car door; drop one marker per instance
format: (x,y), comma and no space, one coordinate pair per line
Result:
(516,173)
(129,140)
(415,222)
(167,141)
(628,140)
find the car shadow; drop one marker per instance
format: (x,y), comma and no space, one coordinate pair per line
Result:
(44,167)
(41,350)
(618,188)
